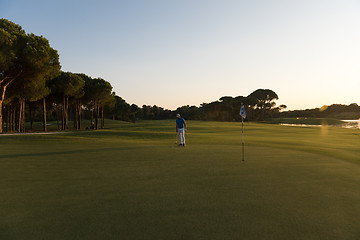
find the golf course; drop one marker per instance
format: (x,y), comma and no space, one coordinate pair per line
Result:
(131,181)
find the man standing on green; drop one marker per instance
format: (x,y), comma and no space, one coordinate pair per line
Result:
(180,129)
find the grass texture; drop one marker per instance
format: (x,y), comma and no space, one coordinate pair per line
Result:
(130,181)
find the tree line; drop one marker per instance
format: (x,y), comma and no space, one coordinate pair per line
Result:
(30,75)
(259,106)
(33,88)
(337,111)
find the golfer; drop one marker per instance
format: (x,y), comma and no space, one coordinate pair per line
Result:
(180,129)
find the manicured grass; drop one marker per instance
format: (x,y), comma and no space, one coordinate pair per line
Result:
(129,181)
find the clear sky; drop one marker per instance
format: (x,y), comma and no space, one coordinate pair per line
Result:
(173,53)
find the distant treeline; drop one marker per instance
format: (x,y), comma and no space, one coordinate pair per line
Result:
(337,111)
(259,105)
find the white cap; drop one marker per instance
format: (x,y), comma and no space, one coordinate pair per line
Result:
(178,115)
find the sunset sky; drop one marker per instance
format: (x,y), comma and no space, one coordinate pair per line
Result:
(174,53)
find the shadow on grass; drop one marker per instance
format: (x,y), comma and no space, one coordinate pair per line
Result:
(136,135)
(78,151)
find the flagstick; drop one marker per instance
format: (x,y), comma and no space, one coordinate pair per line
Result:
(242,134)
(243,115)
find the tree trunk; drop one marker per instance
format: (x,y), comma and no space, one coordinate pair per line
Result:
(10,118)
(20,115)
(44,115)
(92,112)
(2,96)
(101,120)
(102,117)
(57,116)
(7,118)
(67,113)
(23,119)
(79,114)
(13,125)
(23,116)
(96,115)
(23,122)
(70,113)
(1,117)
(31,117)
(3,123)
(62,117)
(21,126)
(75,108)
(63,114)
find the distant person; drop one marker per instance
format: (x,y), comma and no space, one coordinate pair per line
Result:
(92,126)
(180,129)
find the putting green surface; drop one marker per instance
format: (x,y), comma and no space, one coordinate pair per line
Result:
(130,181)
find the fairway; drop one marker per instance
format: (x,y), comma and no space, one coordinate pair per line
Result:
(130,181)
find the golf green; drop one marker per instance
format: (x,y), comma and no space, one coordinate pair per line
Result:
(130,181)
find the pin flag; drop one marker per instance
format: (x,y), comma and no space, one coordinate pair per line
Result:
(242,111)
